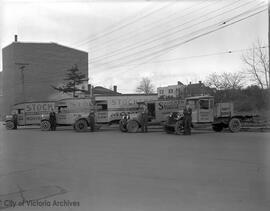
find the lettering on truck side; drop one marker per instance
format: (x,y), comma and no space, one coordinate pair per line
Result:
(168,105)
(38,107)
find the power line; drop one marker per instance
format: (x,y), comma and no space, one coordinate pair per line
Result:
(153,25)
(204,34)
(191,34)
(117,28)
(199,56)
(166,34)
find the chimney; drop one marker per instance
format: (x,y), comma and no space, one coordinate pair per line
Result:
(15,38)
(200,82)
(178,83)
(115,88)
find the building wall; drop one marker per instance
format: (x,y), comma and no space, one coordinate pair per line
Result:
(47,65)
(1,84)
(1,96)
(171,91)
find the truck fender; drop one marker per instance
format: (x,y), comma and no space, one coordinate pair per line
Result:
(45,117)
(81,118)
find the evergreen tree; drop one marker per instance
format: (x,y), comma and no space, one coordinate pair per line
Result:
(72,80)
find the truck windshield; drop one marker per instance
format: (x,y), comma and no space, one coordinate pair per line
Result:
(204,104)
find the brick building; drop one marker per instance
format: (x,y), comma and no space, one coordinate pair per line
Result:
(1,84)
(30,69)
(197,89)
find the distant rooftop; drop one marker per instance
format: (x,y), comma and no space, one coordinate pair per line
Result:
(43,43)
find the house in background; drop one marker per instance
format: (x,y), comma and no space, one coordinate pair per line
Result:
(197,89)
(182,91)
(171,91)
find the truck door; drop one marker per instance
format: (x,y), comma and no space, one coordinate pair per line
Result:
(205,110)
(195,109)
(102,113)
(151,107)
(62,115)
(21,117)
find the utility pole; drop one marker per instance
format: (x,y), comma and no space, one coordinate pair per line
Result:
(21,67)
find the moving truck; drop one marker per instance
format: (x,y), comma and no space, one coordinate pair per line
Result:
(28,113)
(68,111)
(112,108)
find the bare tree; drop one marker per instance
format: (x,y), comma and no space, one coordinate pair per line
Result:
(257,65)
(225,80)
(145,86)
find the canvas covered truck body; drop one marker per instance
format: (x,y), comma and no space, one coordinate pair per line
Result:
(110,109)
(205,112)
(68,111)
(28,113)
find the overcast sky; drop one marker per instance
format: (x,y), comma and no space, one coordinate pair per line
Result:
(168,41)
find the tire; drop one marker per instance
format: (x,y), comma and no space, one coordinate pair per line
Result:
(81,125)
(234,125)
(217,127)
(178,128)
(168,129)
(45,125)
(132,126)
(123,126)
(10,125)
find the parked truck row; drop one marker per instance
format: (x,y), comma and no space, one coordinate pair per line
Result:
(125,110)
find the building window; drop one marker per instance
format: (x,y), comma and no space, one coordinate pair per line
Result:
(170,90)
(161,92)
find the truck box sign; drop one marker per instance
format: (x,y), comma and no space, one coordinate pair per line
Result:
(114,107)
(171,105)
(38,108)
(30,113)
(126,101)
(165,107)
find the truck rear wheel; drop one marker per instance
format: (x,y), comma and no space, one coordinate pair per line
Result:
(45,125)
(217,127)
(123,125)
(132,126)
(10,125)
(81,125)
(234,125)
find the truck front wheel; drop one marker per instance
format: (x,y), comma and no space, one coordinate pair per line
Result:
(45,125)
(234,125)
(81,125)
(178,128)
(10,125)
(132,126)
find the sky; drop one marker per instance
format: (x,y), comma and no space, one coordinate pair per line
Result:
(167,41)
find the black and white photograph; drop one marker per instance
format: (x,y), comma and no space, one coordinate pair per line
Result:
(134,105)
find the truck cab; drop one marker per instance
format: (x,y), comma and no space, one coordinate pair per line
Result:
(202,108)
(204,112)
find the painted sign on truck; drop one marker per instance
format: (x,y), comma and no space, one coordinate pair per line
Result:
(30,113)
(112,108)
(164,107)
